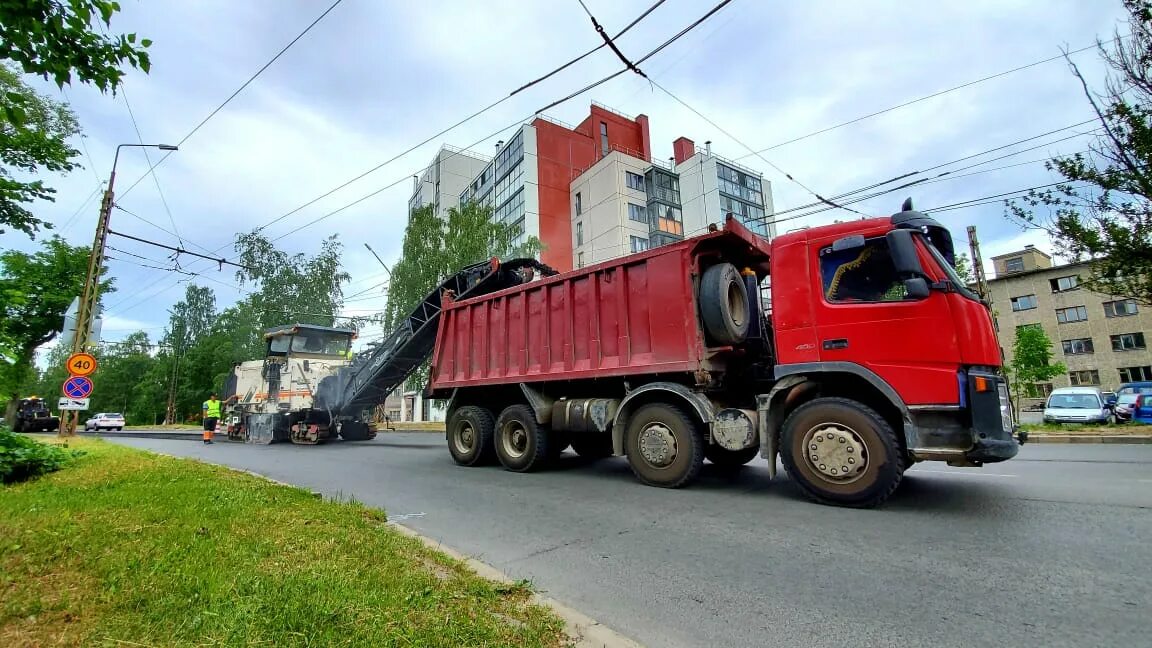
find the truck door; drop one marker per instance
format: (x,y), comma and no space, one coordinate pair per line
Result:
(865,316)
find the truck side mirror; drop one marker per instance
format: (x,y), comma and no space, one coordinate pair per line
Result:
(902,249)
(917,288)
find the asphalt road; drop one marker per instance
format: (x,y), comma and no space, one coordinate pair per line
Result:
(1053,548)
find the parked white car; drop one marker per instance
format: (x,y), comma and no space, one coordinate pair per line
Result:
(1077,405)
(105,421)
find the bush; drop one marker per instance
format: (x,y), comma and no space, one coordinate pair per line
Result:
(22,458)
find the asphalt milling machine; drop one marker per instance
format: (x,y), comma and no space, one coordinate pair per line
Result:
(309,387)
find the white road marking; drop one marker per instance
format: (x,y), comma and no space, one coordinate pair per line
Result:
(962,474)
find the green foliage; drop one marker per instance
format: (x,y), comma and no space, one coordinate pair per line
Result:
(292,288)
(22,458)
(57,39)
(34,132)
(964,268)
(1032,359)
(433,249)
(35,291)
(1103,210)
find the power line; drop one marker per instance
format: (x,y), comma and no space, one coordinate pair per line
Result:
(459,123)
(151,169)
(181,250)
(931,96)
(520,121)
(72,218)
(757,154)
(237,92)
(167,231)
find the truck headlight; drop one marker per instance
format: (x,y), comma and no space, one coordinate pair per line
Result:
(1005,407)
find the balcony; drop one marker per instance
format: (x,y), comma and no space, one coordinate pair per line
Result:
(663,194)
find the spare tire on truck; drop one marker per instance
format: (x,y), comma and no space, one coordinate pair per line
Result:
(724,305)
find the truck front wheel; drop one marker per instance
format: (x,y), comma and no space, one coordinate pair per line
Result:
(841,452)
(470,432)
(664,446)
(521,443)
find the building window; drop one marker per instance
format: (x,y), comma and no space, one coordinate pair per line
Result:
(639,243)
(1133,374)
(1128,341)
(579,207)
(1071,314)
(1060,284)
(1024,302)
(634,181)
(1087,377)
(1078,346)
(604,138)
(579,259)
(637,213)
(1015,264)
(1121,308)
(579,233)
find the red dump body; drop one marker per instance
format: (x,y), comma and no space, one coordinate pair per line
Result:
(635,315)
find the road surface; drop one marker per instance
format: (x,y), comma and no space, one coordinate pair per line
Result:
(1053,548)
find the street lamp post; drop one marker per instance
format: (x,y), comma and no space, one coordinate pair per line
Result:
(90,296)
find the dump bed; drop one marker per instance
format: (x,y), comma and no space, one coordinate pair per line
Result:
(635,315)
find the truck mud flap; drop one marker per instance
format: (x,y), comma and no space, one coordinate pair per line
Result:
(262,430)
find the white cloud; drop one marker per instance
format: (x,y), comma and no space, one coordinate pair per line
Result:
(373,79)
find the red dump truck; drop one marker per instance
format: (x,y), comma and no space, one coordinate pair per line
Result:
(874,355)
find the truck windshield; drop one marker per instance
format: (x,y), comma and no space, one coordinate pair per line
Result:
(321,343)
(949,270)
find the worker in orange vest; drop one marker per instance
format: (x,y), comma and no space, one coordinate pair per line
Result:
(211,411)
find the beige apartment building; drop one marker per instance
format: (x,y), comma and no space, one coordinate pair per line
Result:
(1101,339)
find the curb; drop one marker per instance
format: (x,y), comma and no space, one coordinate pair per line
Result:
(1090,438)
(585,631)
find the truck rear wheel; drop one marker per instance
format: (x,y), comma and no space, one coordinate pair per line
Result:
(726,458)
(356,431)
(842,452)
(522,445)
(724,304)
(664,446)
(470,431)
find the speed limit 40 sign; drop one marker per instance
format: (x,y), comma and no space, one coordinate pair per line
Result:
(81,364)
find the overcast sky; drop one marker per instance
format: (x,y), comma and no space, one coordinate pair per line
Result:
(375,77)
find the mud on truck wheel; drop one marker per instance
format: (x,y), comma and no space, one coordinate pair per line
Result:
(470,432)
(841,452)
(522,444)
(665,446)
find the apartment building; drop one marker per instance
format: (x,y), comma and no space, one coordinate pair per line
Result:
(712,187)
(449,174)
(527,183)
(1100,338)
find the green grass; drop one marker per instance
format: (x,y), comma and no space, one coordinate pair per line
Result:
(126,548)
(1069,428)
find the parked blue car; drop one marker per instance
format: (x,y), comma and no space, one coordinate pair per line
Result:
(1141,409)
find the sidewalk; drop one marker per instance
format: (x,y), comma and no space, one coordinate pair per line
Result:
(1139,434)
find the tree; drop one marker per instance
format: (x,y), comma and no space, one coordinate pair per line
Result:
(292,288)
(35,292)
(1102,212)
(964,268)
(55,39)
(434,248)
(33,140)
(1032,360)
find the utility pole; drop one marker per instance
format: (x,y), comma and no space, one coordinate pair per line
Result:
(978,265)
(90,296)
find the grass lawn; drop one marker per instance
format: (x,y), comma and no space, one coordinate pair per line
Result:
(1057,428)
(127,548)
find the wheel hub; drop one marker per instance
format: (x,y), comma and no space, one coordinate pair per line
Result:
(516,440)
(657,445)
(465,438)
(836,452)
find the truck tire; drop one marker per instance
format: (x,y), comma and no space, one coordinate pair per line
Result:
(593,446)
(17,425)
(470,431)
(726,458)
(522,445)
(826,436)
(724,304)
(664,445)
